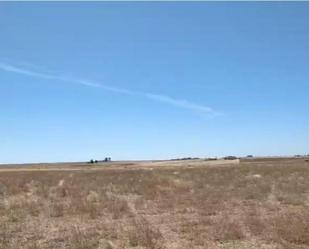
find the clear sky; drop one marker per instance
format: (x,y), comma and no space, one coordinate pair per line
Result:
(152,80)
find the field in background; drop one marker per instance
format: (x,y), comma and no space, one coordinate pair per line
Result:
(254,203)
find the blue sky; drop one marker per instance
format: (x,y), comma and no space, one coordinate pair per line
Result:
(152,80)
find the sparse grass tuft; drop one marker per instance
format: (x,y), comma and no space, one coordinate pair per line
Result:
(143,234)
(83,240)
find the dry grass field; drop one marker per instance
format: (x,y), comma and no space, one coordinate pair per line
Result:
(156,205)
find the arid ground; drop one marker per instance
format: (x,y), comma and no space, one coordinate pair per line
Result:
(252,203)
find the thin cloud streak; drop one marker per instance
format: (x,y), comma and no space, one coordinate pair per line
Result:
(181,103)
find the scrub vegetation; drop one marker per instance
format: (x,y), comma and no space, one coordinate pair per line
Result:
(186,204)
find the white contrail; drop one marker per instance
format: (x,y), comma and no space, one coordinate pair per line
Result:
(179,102)
(182,103)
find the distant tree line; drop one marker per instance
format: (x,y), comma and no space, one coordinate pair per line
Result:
(185,158)
(106,159)
(230,158)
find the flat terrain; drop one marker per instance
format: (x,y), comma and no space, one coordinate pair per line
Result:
(252,203)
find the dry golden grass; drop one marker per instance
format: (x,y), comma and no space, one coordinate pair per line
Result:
(254,204)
